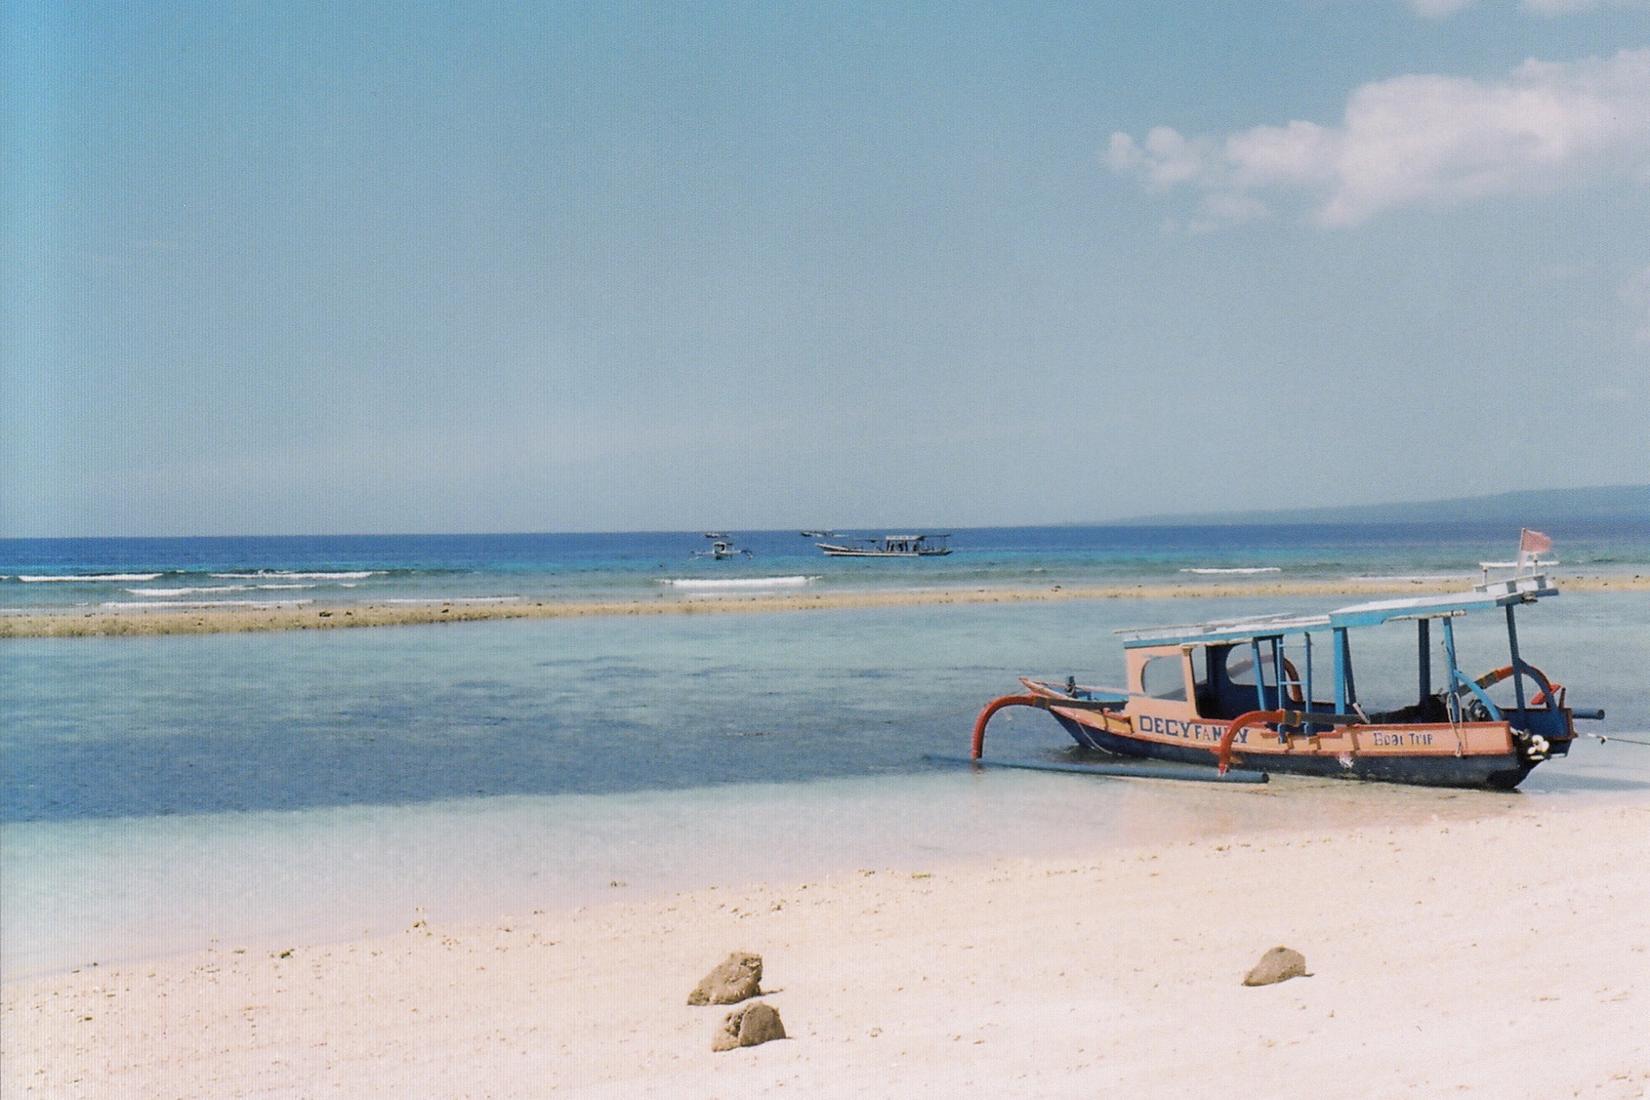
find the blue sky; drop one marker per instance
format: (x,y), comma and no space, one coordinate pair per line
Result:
(424,267)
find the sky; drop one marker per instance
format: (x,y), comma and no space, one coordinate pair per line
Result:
(403,267)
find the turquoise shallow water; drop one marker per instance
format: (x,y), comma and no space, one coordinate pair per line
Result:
(159,792)
(139,727)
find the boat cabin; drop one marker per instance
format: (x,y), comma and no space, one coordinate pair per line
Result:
(910,544)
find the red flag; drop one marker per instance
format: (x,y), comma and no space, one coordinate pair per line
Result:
(1533,542)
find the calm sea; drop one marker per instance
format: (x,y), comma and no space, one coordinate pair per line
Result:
(159,792)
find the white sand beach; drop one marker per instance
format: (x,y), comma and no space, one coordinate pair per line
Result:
(1499,956)
(778,393)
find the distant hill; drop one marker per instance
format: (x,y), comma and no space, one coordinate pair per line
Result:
(1524,508)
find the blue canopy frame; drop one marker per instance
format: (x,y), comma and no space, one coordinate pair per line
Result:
(1269,633)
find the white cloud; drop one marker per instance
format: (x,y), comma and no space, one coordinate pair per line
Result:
(1437,9)
(1443,9)
(1166,159)
(1419,139)
(1218,210)
(1574,7)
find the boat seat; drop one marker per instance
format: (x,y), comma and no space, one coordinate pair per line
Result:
(1430,709)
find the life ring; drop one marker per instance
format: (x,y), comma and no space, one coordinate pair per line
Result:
(1495,676)
(1293,674)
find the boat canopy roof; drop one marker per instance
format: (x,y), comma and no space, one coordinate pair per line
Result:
(1484,597)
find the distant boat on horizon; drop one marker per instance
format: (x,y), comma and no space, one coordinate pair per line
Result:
(889,546)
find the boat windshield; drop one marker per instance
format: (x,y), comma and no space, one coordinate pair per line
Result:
(1164,677)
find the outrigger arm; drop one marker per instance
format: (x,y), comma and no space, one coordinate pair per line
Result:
(1040,702)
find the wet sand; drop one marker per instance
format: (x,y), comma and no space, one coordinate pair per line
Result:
(98,622)
(1504,956)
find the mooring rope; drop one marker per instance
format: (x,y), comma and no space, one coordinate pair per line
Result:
(1612,737)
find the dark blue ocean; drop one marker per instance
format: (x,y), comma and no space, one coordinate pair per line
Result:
(171,787)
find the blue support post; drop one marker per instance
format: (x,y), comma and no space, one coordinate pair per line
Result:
(1517,663)
(1342,669)
(1260,678)
(1425,647)
(1351,681)
(1277,671)
(1455,677)
(1306,689)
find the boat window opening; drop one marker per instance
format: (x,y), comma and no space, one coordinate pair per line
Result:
(1469,652)
(1481,646)
(1227,688)
(1391,685)
(1164,678)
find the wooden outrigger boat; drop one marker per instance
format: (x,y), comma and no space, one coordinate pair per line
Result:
(1232,694)
(889,546)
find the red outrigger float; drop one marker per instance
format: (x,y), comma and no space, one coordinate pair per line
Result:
(1231,694)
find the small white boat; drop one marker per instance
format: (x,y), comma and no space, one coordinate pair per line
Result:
(721,548)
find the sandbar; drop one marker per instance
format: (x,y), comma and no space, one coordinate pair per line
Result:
(100,622)
(1498,956)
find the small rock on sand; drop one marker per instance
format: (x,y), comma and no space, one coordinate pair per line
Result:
(733,980)
(748,1027)
(1277,965)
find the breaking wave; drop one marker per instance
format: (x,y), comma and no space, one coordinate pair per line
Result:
(258,604)
(1240,569)
(796,581)
(295,575)
(90,577)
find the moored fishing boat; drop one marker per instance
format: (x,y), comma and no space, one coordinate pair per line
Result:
(889,546)
(1245,694)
